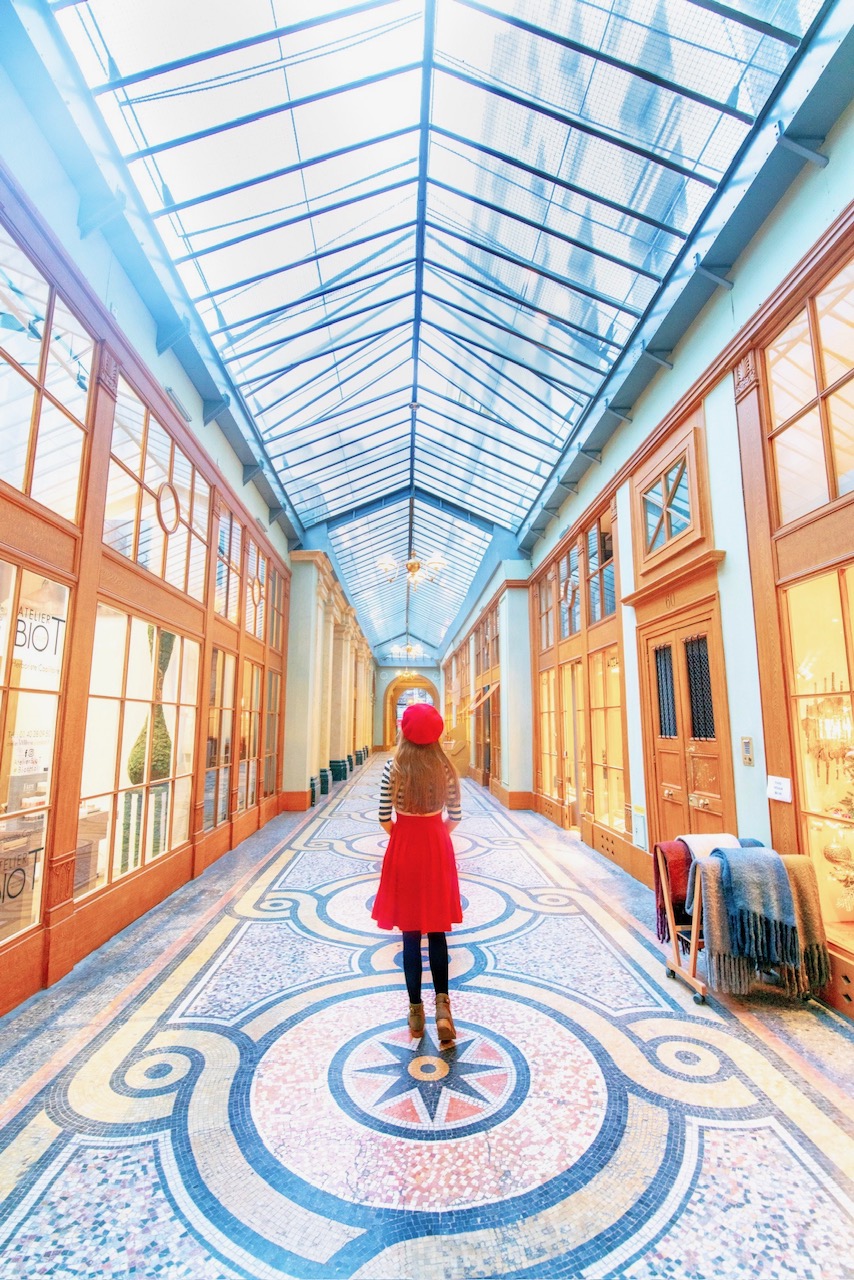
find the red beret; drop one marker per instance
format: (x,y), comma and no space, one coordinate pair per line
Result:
(422,723)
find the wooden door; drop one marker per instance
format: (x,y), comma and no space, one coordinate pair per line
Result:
(689,733)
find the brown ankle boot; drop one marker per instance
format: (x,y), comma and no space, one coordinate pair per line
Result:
(416,1020)
(445,1028)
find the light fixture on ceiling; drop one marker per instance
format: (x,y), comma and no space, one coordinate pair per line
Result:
(408,652)
(417,570)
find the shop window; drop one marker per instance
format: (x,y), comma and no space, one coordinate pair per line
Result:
(495,651)
(157,502)
(545,600)
(256,590)
(667,723)
(33,614)
(139,749)
(250,737)
(822,661)
(275,610)
(45,373)
(548,736)
(569,572)
(219,751)
(228,566)
(574,734)
(272,713)
(811,395)
(606,734)
(667,506)
(601,591)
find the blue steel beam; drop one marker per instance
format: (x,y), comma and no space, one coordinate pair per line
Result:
(609,60)
(252,117)
(403,494)
(545,229)
(386,373)
(326,323)
(543,454)
(250,42)
(491,417)
(576,122)
(178,206)
(327,418)
(748,20)
(552,179)
(307,216)
(293,450)
(273,375)
(315,467)
(309,261)
(563,281)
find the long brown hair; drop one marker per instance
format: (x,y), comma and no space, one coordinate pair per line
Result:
(421,777)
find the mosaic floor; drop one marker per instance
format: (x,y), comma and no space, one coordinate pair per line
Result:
(229,1090)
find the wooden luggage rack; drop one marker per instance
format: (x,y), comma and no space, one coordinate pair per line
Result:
(683,965)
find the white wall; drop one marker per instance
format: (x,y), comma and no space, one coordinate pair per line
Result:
(631,675)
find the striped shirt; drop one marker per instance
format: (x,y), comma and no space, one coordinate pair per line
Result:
(452,795)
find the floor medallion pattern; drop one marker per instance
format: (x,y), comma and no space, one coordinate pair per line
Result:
(251,1104)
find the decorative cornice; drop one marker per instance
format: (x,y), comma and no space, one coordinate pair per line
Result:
(108,371)
(746,375)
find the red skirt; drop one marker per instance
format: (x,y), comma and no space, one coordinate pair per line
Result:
(419,889)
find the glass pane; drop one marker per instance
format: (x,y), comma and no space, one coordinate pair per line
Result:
(825,739)
(190,672)
(679,506)
(158,454)
(23,305)
(152,539)
(666,692)
(69,361)
(120,511)
(228,686)
(209,816)
(128,427)
(226,726)
(186,745)
(140,669)
(176,557)
(818,642)
(653,506)
(157,826)
(22,841)
(94,840)
(108,654)
(593,548)
(182,479)
(201,506)
(609,592)
(699,687)
(791,375)
(831,844)
(181,803)
(127,840)
(595,595)
(168,666)
(101,744)
(197,569)
(59,452)
(223,795)
(133,753)
(8,575)
(840,410)
(835,310)
(16,411)
(801,475)
(39,633)
(27,757)
(241,786)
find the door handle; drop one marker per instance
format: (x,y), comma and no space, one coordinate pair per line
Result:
(703,803)
(668,793)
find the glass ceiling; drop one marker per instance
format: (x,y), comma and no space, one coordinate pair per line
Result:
(421,234)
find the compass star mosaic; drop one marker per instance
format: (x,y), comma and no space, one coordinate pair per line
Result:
(252,1104)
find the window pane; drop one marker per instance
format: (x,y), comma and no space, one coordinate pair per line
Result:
(201,506)
(108,653)
(157,826)
(39,633)
(182,479)
(186,744)
(653,506)
(176,557)
(94,840)
(59,451)
(27,758)
(593,548)
(127,843)
(835,309)
(69,361)
(16,411)
(101,744)
(133,753)
(196,571)
(182,797)
(140,673)
(801,476)
(791,376)
(158,453)
(840,410)
(595,600)
(679,506)
(120,511)
(8,575)
(128,428)
(23,305)
(818,643)
(190,672)
(168,666)
(151,536)
(22,841)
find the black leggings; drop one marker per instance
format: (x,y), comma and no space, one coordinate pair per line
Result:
(437,946)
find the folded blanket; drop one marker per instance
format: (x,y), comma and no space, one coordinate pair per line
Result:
(760,909)
(702,845)
(814,972)
(677,858)
(725,971)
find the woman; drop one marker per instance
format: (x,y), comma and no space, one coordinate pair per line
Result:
(419,890)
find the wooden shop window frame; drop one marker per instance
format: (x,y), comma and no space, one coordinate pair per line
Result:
(688,442)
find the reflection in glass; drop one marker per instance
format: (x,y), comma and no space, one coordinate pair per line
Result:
(128,427)
(158,455)
(69,361)
(120,511)
(548,735)
(840,408)
(26,760)
(835,311)
(16,411)
(606,729)
(817,636)
(22,843)
(94,841)
(791,375)
(101,745)
(59,453)
(23,305)
(108,653)
(8,575)
(799,461)
(40,627)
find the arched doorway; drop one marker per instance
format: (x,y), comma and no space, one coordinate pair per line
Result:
(400,693)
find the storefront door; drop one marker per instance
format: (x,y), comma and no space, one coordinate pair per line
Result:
(692,789)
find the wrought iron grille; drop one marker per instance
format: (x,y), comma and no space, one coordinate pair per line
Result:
(700,687)
(666,695)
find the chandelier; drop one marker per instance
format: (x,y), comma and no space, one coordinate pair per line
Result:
(408,652)
(417,570)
